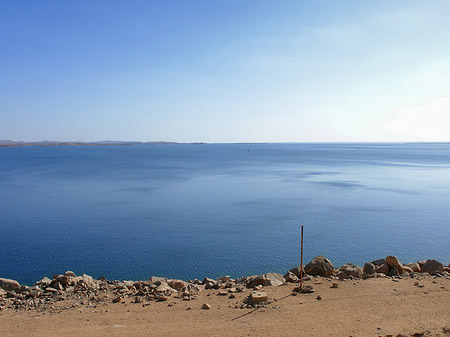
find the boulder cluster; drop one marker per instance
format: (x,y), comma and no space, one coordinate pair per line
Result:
(86,290)
(387,267)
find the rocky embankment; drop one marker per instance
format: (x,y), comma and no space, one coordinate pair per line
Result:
(85,290)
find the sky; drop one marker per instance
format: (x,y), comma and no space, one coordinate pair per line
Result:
(225,70)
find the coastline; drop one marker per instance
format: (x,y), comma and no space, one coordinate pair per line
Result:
(230,301)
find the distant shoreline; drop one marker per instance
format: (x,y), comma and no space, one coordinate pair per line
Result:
(12,143)
(100,143)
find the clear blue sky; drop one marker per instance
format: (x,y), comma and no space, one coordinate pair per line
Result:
(225,71)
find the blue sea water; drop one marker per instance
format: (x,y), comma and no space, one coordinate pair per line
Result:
(188,211)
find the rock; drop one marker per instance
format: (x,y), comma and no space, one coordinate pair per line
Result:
(273,279)
(210,285)
(64,280)
(222,292)
(208,280)
(157,280)
(352,270)
(290,277)
(392,261)
(128,284)
(89,282)
(366,276)
(393,271)
(176,284)
(3,292)
(297,270)
(269,279)
(432,266)
(341,275)
(254,281)
(164,288)
(369,268)
(421,263)
(407,270)
(70,273)
(223,279)
(379,262)
(8,284)
(51,290)
(206,306)
(414,266)
(383,269)
(258,296)
(44,282)
(163,297)
(319,266)
(334,285)
(229,284)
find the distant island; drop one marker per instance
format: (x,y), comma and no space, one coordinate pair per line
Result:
(11,143)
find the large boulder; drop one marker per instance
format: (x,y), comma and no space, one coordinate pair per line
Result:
(269,279)
(8,284)
(393,271)
(392,261)
(290,277)
(414,266)
(432,266)
(319,266)
(369,268)
(383,269)
(352,270)
(176,284)
(273,279)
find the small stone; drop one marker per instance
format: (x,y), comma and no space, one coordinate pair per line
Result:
(206,306)
(222,292)
(319,297)
(334,285)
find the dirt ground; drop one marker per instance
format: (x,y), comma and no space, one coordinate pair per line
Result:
(373,307)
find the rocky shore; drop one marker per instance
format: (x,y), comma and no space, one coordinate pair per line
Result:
(87,291)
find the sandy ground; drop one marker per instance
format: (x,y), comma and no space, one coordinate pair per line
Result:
(374,307)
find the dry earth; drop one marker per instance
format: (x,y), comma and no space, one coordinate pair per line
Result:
(373,307)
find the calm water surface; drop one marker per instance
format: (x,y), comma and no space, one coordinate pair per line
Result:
(188,211)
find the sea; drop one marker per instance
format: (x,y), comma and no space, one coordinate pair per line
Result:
(193,210)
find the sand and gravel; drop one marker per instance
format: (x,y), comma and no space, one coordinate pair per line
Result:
(413,306)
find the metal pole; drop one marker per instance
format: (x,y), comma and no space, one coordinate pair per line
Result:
(301,263)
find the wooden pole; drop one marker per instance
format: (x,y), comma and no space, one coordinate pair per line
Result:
(301,262)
